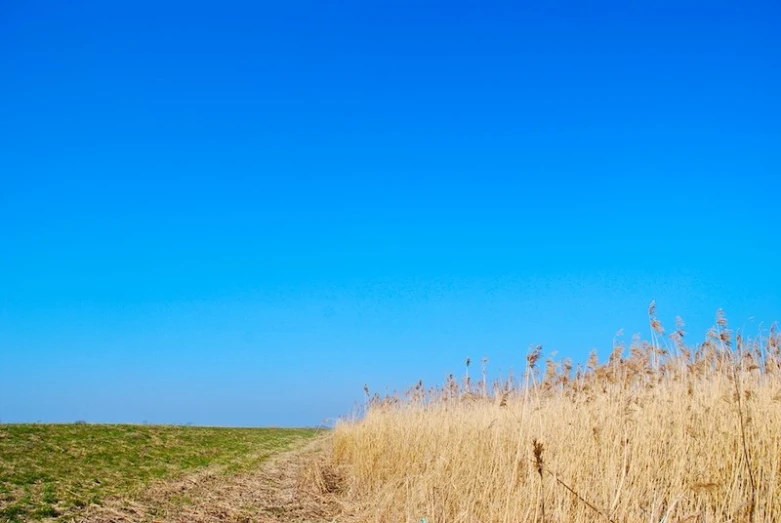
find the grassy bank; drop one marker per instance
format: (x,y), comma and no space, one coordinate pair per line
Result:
(661,432)
(56,470)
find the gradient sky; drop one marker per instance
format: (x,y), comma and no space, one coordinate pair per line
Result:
(240,213)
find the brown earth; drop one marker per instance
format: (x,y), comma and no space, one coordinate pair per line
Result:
(292,487)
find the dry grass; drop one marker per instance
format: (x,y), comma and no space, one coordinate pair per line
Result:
(662,432)
(280,490)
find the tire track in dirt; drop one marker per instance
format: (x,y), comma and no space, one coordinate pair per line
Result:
(286,488)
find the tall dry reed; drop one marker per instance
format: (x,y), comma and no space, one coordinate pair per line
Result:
(661,432)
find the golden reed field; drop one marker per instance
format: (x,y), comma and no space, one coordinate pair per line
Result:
(663,431)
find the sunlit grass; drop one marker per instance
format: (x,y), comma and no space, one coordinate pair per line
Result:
(56,470)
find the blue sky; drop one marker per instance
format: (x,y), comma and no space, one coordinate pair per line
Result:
(239,213)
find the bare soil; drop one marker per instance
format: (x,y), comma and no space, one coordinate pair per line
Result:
(291,487)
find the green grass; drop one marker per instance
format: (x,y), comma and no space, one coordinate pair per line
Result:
(54,470)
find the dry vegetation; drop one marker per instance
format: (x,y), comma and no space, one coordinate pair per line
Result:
(275,491)
(661,432)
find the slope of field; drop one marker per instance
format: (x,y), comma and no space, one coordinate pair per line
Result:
(57,471)
(661,432)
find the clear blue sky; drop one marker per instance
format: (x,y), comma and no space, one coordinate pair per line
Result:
(239,213)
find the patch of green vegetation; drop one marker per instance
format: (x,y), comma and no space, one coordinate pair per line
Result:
(47,471)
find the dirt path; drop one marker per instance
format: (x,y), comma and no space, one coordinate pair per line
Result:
(285,489)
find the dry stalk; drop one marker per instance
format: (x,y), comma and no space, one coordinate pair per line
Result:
(581,498)
(746,455)
(537,449)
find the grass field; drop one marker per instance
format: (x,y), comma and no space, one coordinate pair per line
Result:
(55,471)
(661,431)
